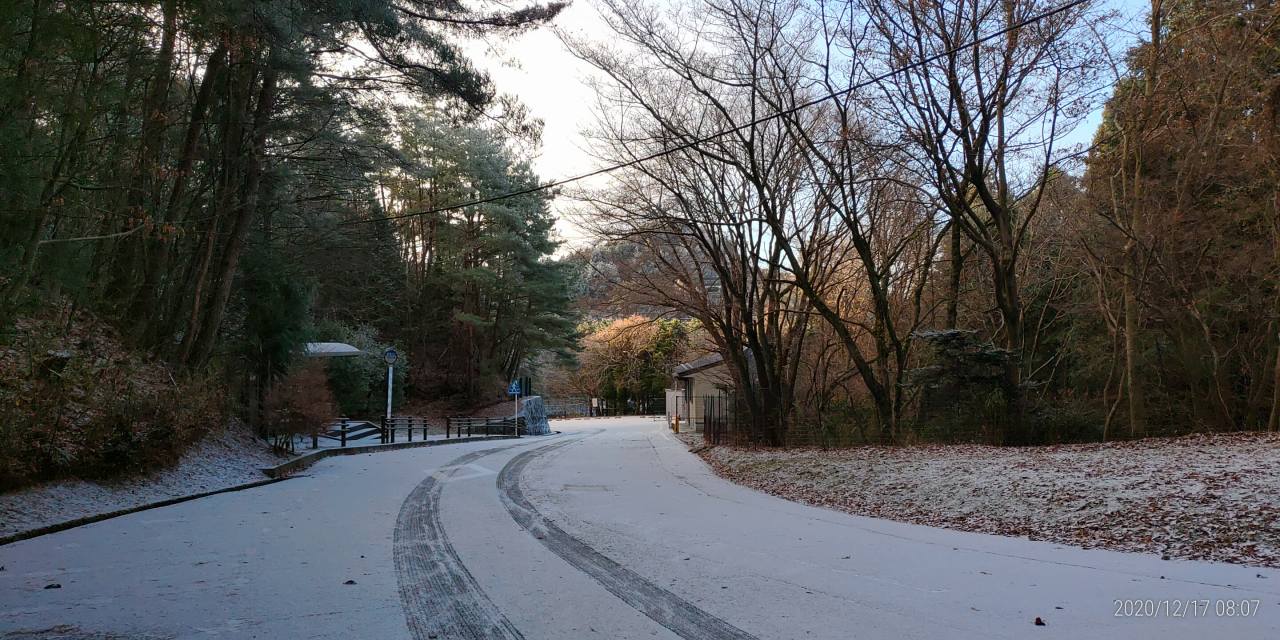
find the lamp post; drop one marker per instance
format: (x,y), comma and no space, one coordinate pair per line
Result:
(390,357)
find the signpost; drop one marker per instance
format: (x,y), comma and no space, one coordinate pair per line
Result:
(390,357)
(514,390)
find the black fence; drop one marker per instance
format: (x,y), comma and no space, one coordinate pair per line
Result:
(720,415)
(405,425)
(347,430)
(409,428)
(506,426)
(651,406)
(725,419)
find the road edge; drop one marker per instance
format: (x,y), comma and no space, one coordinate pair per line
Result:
(274,474)
(99,517)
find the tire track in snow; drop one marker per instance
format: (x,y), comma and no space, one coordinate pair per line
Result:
(666,608)
(440,597)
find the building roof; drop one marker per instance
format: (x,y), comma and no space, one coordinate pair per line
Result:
(330,350)
(694,366)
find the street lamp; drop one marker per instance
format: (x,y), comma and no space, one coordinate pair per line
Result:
(390,356)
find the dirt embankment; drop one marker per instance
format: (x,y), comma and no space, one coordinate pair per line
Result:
(224,459)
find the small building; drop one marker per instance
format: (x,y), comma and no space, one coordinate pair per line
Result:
(696,384)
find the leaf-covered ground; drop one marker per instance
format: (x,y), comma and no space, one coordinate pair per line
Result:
(1205,497)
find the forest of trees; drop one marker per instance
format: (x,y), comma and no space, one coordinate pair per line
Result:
(926,254)
(625,361)
(207,185)
(892,218)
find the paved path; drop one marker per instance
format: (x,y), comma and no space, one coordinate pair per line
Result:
(610,530)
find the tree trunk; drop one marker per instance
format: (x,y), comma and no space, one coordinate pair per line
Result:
(141,200)
(244,217)
(1273,420)
(957,270)
(1137,408)
(159,255)
(234,115)
(1132,267)
(1009,302)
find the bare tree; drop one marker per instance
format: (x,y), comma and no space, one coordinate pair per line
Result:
(866,207)
(984,123)
(812,197)
(702,216)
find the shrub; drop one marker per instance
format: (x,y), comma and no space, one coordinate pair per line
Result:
(300,404)
(960,394)
(1065,420)
(359,383)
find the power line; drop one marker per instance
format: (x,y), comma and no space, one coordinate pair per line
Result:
(658,154)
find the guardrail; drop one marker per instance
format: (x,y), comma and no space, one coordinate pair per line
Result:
(453,427)
(407,424)
(404,429)
(346,429)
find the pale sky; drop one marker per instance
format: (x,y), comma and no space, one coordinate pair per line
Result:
(551,82)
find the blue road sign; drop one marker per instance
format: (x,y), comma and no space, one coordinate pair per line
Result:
(514,388)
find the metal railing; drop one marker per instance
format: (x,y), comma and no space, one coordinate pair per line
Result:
(346,430)
(410,428)
(454,427)
(406,424)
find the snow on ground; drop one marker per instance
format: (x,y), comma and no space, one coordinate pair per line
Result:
(1204,497)
(221,460)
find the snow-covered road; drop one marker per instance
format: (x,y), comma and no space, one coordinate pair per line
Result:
(610,530)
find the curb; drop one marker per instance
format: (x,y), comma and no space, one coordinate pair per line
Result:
(71,524)
(282,471)
(275,474)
